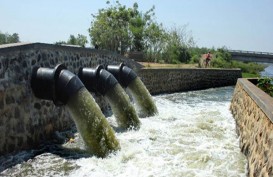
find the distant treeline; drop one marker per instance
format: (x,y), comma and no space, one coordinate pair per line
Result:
(6,38)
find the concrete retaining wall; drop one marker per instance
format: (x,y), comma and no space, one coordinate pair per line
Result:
(253,112)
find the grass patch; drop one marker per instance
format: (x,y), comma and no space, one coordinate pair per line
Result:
(249,75)
(165,65)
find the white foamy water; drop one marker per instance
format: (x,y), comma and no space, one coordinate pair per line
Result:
(193,135)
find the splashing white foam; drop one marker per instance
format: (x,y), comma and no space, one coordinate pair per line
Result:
(193,135)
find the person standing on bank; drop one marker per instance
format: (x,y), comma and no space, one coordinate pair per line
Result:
(207,60)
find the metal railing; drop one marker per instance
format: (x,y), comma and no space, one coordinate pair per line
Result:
(250,52)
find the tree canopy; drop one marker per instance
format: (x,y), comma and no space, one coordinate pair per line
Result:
(80,40)
(119,28)
(6,38)
(178,45)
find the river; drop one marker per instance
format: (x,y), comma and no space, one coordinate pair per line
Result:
(268,71)
(193,135)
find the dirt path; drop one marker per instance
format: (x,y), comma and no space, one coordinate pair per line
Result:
(158,65)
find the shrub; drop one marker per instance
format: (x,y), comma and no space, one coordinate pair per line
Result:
(220,63)
(194,59)
(252,68)
(266,85)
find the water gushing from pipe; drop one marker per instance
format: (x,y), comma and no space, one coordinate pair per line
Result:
(122,108)
(101,81)
(93,127)
(128,79)
(64,88)
(143,98)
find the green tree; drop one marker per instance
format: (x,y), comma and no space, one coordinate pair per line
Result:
(119,28)
(6,38)
(178,45)
(109,30)
(72,40)
(155,39)
(80,40)
(138,24)
(223,53)
(196,53)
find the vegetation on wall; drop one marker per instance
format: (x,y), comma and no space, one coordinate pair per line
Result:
(266,85)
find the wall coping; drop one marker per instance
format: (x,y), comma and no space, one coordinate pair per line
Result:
(25,46)
(19,47)
(262,99)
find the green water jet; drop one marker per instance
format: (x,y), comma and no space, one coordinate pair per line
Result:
(143,98)
(103,82)
(96,132)
(128,79)
(123,110)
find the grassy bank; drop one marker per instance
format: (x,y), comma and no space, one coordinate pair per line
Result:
(165,65)
(248,70)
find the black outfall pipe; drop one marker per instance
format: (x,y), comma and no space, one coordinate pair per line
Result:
(57,84)
(128,79)
(97,80)
(122,73)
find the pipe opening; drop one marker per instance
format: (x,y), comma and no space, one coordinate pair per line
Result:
(57,84)
(122,73)
(97,80)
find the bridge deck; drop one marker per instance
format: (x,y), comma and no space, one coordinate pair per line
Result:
(252,56)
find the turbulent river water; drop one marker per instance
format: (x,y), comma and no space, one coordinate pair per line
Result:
(193,135)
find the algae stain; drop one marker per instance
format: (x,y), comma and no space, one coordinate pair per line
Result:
(142,98)
(123,110)
(96,132)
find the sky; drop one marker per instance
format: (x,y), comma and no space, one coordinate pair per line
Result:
(235,24)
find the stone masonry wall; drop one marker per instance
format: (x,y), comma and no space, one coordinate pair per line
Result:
(252,110)
(26,121)
(175,80)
